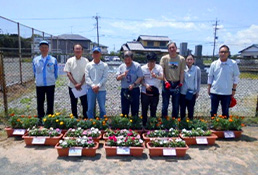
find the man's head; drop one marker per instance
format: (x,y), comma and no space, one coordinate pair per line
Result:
(172,48)
(96,53)
(128,57)
(224,52)
(78,50)
(44,47)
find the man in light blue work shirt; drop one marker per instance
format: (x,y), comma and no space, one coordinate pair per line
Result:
(222,81)
(45,70)
(130,74)
(96,74)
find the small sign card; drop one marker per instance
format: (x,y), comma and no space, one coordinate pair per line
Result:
(19,131)
(229,134)
(169,152)
(75,151)
(39,140)
(201,140)
(123,150)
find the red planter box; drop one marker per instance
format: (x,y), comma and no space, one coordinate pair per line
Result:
(9,132)
(134,151)
(51,141)
(221,134)
(89,152)
(192,140)
(158,151)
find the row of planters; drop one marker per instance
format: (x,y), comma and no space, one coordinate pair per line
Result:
(160,137)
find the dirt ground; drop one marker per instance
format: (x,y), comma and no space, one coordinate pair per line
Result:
(225,157)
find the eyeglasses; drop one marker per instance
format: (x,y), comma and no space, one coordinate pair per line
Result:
(223,52)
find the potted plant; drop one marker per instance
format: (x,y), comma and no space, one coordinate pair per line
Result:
(124,146)
(83,146)
(225,127)
(188,124)
(99,123)
(42,136)
(167,147)
(60,121)
(198,136)
(18,125)
(120,133)
(157,123)
(94,133)
(164,134)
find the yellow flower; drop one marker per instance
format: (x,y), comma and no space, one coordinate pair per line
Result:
(105,116)
(71,115)
(121,115)
(58,113)
(217,119)
(61,123)
(187,120)
(230,120)
(140,117)
(94,123)
(44,119)
(57,120)
(131,121)
(53,115)
(125,115)
(49,115)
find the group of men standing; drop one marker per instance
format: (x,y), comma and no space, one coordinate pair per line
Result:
(179,76)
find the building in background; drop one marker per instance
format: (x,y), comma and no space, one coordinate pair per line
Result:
(250,52)
(104,49)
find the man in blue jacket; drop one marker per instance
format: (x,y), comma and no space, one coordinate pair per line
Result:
(45,69)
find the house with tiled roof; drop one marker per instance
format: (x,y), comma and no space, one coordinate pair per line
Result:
(250,51)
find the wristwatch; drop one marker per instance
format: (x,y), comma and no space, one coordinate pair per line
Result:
(233,89)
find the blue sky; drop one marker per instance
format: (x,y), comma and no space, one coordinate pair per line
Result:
(121,21)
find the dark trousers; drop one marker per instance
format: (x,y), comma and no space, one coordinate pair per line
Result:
(166,93)
(149,101)
(189,104)
(224,100)
(74,102)
(41,92)
(134,102)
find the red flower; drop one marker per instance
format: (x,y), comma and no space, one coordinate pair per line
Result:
(133,138)
(130,134)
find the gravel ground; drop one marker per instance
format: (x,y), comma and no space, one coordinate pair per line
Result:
(246,96)
(225,157)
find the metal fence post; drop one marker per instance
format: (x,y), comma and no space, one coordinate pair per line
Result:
(3,84)
(20,56)
(32,43)
(256,113)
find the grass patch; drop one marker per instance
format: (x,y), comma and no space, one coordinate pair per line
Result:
(249,75)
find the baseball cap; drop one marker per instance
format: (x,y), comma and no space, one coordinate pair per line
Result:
(96,49)
(43,42)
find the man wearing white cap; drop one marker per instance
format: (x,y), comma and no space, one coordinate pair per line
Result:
(45,69)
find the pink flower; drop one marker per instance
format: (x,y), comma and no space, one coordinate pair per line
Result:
(130,134)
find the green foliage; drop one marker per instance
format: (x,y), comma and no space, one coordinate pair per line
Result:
(222,123)
(163,133)
(96,123)
(59,121)
(123,132)
(23,122)
(125,122)
(193,124)
(172,143)
(195,132)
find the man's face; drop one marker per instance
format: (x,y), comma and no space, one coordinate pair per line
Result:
(128,60)
(44,49)
(78,50)
(172,49)
(223,53)
(96,55)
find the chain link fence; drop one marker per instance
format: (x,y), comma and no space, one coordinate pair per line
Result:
(19,45)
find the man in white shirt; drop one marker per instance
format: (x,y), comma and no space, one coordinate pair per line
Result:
(222,81)
(96,74)
(75,68)
(152,76)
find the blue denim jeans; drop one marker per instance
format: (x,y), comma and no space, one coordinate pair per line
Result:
(133,101)
(91,98)
(224,100)
(166,93)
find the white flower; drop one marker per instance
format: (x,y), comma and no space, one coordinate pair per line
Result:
(140,140)
(178,140)
(60,141)
(51,128)
(84,137)
(73,130)
(184,130)
(79,128)
(171,129)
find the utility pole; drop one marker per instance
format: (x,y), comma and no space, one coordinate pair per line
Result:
(97,20)
(215,38)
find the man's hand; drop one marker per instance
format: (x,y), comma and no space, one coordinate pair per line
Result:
(131,87)
(78,86)
(209,90)
(196,95)
(95,89)
(233,93)
(153,75)
(148,87)
(125,73)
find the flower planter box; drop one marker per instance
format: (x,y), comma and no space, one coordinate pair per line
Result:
(15,132)
(227,134)
(200,140)
(163,151)
(96,139)
(128,151)
(41,140)
(106,137)
(147,139)
(89,152)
